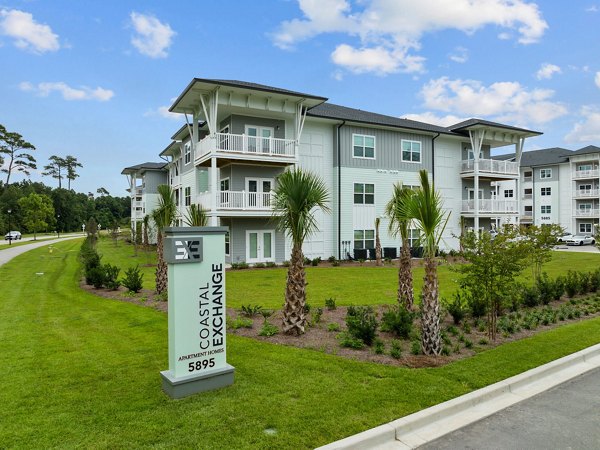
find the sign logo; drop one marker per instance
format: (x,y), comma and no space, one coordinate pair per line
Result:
(187,250)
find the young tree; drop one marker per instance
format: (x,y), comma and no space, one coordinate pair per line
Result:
(539,243)
(163,216)
(55,169)
(38,212)
(399,226)
(296,195)
(196,216)
(377,243)
(424,207)
(494,263)
(71,165)
(146,231)
(17,153)
(102,191)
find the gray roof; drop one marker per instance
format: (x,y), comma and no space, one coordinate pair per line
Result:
(259,87)
(471,122)
(144,166)
(586,150)
(543,157)
(338,112)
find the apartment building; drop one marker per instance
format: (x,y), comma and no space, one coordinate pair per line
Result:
(240,136)
(559,186)
(143,180)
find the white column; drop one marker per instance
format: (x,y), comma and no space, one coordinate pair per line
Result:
(214,220)
(518,154)
(476,144)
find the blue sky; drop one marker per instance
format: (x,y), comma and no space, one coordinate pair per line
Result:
(93,79)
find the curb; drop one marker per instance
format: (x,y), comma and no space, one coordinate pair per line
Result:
(424,426)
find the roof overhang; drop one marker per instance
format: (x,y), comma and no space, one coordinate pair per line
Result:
(497,135)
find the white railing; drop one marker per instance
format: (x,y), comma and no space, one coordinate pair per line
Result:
(586,193)
(237,200)
(249,145)
(587,212)
(526,179)
(586,173)
(491,206)
(491,166)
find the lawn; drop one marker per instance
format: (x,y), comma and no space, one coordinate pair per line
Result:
(81,370)
(349,285)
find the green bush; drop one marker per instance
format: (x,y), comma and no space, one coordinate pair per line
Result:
(111,276)
(241,322)
(316,315)
(457,308)
(251,310)
(330,304)
(546,289)
(307,261)
(395,349)
(259,265)
(333,326)
(315,262)
(95,276)
(572,283)
(415,347)
(331,259)
(268,330)
(477,304)
(530,296)
(133,279)
(378,346)
(271,264)
(398,320)
(349,341)
(362,323)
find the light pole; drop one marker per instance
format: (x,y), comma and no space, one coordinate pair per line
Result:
(58,225)
(9,235)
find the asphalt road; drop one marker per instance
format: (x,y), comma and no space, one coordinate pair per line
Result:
(565,417)
(6,254)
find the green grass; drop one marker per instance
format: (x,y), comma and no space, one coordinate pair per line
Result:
(83,371)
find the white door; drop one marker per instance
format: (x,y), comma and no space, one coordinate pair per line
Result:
(260,246)
(259,139)
(259,192)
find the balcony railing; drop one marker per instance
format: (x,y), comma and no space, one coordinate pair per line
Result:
(243,144)
(587,212)
(586,193)
(491,206)
(527,196)
(586,173)
(526,179)
(491,166)
(237,200)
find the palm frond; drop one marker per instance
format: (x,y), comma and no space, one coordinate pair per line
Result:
(166,211)
(196,216)
(399,224)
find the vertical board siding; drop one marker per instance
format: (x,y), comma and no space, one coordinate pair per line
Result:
(239,226)
(238,124)
(239,173)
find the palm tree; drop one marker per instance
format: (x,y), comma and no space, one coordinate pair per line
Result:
(400,226)
(163,216)
(377,243)
(296,195)
(146,231)
(196,216)
(425,208)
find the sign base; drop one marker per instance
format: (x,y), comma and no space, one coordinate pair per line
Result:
(192,384)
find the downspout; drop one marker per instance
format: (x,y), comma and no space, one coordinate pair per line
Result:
(433,157)
(339,162)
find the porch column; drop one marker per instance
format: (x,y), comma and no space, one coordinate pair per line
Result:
(476,138)
(214,220)
(518,154)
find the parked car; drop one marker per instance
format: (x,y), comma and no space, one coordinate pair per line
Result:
(12,236)
(580,239)
(564,237)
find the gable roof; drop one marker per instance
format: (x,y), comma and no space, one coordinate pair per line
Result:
(586,150)
(543,157)
(470,123)
(143,167)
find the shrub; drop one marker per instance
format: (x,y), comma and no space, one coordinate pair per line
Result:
(315,262)
(285,264)
(468,343)
(266,313)
(584,282)
(307,308)
(259,265)
(241,322)
(330,304)
(316,315)
(335,264)
(362,323)
(452,330)
(349,341)
(398,320)
(415,347)
(333,326)
(379,346)
(133,279)
(251,310)
(477,305)
(271,264)
(467,327)
(530,296)
(331,259)
(268,330)
(483,341)
(559,288)
(111,276)
(243,265)
(446,350)
(572,284)
(307,261)
(95,276)
(545,288)
(395,349)
(457,308)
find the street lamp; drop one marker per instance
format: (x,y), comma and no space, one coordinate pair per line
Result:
(9,235)
(58,225)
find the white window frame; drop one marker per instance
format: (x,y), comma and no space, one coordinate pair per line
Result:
(363,240)
(585,206)
(471,154)
(364,146)
(545,191)
(228,243)
(187,199)
(509,191)
(412,151)
(585,187)
(222,182)
(413,236)
(363,194)
(187,153)
(262,145)
(585,167)
(260,252)
(545,173)
(546,209)
(585,224)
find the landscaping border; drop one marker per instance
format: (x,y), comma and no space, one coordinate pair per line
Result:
(429,424)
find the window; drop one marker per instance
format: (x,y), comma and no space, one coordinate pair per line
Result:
(546,191)
(188,196)
(585,227)
(528,192)
(585,207)
(413,237)
(545,173)
(584,167)
(546,209)
(177,196)
(509,193)
(411,151)
(527,174)
(187,153)
(585,187)
(471,154)
(227,243)
(364,239)
(225,184)
(364,194)
(529,210)
(364,146)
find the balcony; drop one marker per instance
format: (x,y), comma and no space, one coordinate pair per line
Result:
(487,206)
(527,217)
(527,179)
(238,202)
(586,193)
(527,196)
(244,147)
(587,212)
(582,174)
(490,167)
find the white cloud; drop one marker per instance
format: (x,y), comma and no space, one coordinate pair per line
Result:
(389,31)
(592,8)
(546,71)
(67,92)
(153,38)
(163,111)
(26,32)
(460,55)
(432,118)
(505,101)
(587,130)
(597,79)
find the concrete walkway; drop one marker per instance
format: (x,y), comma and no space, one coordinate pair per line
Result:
(6,254)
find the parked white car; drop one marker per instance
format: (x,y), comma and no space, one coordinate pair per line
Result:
(565,237)
(12,236)
(580,239)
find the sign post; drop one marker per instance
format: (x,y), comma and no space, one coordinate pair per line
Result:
(197,312)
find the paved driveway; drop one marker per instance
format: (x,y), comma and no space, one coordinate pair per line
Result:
(7,254)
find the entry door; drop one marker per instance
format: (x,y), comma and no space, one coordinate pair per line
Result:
(259,192)
(259,139)
(260,246)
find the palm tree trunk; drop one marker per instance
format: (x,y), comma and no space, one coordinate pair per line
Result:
(161,267)
(294,317)
(377,244)
(430,319)
(405,281)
